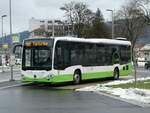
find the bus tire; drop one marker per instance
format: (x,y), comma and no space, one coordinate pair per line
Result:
(116,74)
(77,77)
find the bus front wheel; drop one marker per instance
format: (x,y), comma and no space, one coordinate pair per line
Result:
(116,74)
(77,77)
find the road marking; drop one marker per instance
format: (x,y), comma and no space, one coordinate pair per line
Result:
(125,100)
(6,80)
(16,85)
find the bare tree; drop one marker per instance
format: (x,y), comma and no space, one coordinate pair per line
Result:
(77,14)
(99,28)
(130,23)
(69,11)
(143,6)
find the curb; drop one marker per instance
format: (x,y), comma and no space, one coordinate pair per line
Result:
(125,100)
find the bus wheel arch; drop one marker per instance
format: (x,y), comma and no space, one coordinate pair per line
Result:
(116,73)
(77,76)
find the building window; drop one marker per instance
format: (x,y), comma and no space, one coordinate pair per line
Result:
(49,22)
(146,54)
(49,27)
(42,26)
(42,21)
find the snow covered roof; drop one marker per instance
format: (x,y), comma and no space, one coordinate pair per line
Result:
(146,47)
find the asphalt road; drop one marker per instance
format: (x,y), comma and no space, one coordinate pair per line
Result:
(141,72)
(44,99)
(31,99)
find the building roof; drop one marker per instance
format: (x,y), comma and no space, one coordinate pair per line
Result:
(146,47)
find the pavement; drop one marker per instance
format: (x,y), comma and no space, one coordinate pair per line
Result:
(31,99)
(7,68)
(5,77)
(5,73)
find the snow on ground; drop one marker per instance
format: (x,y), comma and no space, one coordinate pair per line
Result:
(117,82)
(140,95)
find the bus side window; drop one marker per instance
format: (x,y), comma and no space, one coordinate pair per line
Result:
(108,52)
(66,55)
(115,55)
(100,54)
(58,57)
(125,54)
(59,51)
(62,56)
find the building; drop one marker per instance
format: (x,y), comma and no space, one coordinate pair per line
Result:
(144,52)
(46,27)
(12,39)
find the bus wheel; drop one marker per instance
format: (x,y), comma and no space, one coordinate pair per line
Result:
(116,74)
(77,77)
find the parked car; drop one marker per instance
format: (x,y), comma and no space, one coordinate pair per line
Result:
(147,65)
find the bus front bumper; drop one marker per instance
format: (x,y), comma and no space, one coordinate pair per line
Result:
(55,79)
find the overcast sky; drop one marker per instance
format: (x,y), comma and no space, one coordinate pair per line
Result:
(23,10)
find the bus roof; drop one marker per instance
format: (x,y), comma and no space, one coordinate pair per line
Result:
(101,40)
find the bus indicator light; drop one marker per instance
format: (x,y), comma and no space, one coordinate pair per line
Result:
(28,44)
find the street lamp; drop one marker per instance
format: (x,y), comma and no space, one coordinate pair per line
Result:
(3,16)
(112,11)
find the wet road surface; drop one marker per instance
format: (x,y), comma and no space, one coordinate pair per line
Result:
(35,99)
(61,98)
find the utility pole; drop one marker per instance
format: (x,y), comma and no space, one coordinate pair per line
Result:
(11,48)
(112,11)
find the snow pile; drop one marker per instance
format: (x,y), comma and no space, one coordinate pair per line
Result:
(140,95)
(117,82)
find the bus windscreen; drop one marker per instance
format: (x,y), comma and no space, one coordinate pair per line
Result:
(37,55)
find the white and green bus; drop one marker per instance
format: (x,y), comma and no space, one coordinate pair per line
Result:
(65,59)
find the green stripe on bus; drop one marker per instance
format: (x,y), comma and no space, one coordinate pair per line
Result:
(85,76)
(126,72)
(59,78)
(69,77)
